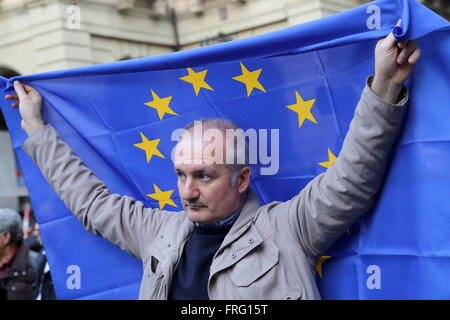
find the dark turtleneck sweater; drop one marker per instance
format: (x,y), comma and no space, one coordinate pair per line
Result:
(190,280)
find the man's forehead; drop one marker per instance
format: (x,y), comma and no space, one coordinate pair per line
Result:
(199,167)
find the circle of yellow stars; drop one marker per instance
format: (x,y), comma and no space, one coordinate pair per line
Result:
(251,79)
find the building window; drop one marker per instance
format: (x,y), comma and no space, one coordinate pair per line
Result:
(223,13)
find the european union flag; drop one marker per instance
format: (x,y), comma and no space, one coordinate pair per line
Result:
(305,81)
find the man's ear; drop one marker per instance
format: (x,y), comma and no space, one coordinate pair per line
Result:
(244,179)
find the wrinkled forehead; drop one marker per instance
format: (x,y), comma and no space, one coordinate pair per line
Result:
(201,168)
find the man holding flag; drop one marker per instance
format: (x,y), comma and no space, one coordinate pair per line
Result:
(225,245)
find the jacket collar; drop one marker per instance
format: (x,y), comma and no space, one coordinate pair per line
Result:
(245,219)
(21,259)
(248,211)
(20,262)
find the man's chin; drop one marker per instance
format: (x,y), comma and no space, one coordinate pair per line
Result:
(199,215)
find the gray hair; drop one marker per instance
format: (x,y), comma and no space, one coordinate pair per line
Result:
(240,152)
(11,221)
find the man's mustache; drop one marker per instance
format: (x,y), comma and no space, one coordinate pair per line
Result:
(194,203)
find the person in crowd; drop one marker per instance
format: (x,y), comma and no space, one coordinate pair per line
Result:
(17,274)
(44,289)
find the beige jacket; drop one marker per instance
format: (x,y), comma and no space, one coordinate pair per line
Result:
(271,250)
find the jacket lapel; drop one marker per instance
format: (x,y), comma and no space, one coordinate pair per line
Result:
(244,221)
(242,238)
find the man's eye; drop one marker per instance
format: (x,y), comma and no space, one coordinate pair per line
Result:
(204,177)
(180,175)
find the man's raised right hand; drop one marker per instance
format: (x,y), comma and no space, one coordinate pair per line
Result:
(29,104)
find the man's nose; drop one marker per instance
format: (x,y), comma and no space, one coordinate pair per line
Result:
(189,190)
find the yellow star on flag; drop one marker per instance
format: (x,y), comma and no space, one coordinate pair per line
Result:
(331,159)
(197,79)
(250,79)
(303,109)
(320,263)
(161,105)
(163,197)
(150,147)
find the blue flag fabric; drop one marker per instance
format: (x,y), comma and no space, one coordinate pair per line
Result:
(399,250)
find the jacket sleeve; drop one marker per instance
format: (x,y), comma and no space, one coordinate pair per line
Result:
(120,219)
(335,199)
